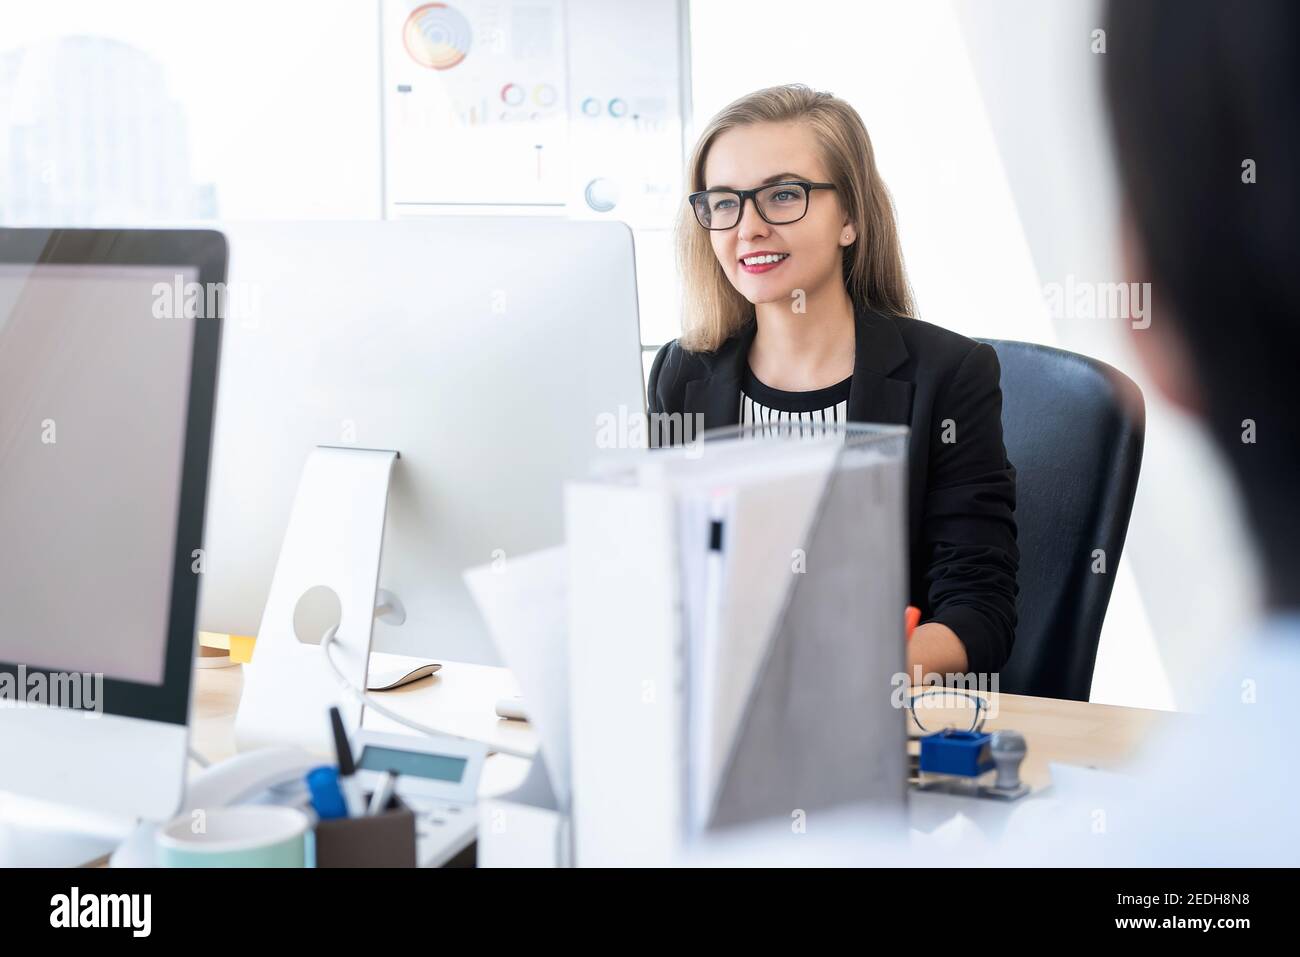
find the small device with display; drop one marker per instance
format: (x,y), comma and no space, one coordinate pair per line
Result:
(437,777)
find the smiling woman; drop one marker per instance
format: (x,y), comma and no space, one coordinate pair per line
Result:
(797,310)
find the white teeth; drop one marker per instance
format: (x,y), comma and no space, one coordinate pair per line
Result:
(760,260)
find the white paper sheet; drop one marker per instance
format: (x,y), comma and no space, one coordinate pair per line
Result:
(525,604)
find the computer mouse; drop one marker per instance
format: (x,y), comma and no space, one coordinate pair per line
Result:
(392,678)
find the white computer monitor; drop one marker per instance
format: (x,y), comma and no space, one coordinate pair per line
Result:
(107,383)
(488,351)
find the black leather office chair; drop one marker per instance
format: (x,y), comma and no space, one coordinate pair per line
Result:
(1074,429)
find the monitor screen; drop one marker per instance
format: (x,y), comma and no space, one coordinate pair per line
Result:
(91,456)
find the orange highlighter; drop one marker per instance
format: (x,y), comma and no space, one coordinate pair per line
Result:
(911,618)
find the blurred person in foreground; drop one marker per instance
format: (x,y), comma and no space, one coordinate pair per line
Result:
(1204,101)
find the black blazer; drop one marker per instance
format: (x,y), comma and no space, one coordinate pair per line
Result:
(961,494)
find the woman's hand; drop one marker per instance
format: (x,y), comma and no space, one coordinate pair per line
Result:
(935,648)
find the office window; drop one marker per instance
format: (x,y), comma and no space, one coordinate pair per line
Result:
(163,112)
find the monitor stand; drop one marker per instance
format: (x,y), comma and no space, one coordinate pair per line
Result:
(332,545)
(36,833)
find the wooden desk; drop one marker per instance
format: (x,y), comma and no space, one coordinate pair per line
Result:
(461,699)
(1071,732)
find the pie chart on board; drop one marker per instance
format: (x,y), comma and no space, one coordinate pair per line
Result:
(436,36)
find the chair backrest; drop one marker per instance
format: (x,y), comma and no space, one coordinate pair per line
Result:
(1073,429)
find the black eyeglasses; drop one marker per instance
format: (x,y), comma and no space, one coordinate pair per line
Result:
(779,204)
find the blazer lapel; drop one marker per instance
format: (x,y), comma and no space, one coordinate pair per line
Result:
(879,350)
(717,395)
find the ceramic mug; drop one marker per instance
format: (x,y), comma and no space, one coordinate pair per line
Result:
(243,835)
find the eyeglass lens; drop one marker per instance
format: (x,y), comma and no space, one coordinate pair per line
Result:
(778,204)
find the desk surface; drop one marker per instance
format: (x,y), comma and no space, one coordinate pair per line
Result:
(461,699)
(1072,732)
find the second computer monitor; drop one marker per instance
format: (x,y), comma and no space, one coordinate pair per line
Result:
(497,355)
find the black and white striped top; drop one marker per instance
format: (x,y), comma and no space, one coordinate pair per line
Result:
(792,413)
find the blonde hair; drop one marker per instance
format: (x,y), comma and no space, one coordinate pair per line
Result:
(712,309)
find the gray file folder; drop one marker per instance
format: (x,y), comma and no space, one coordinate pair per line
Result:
(819,728)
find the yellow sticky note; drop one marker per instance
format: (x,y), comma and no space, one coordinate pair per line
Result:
(241,648)
(211,639)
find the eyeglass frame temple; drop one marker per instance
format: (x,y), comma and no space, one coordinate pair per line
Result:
(751,194)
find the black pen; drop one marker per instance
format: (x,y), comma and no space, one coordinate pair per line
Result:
(348,782)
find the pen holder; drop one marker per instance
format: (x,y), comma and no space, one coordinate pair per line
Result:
(378,840)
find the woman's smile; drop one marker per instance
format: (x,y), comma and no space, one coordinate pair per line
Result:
(762,261)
